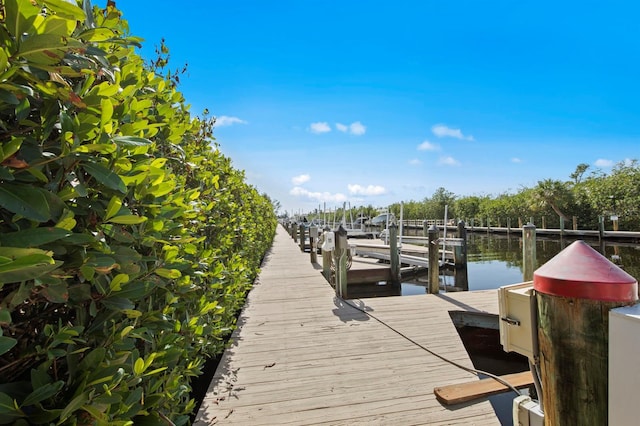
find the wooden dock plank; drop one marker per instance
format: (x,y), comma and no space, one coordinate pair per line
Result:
(464,392)
(301,356)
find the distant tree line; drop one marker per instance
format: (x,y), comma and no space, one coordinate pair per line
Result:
(586,195)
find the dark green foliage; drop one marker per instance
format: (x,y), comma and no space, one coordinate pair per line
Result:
(127,240)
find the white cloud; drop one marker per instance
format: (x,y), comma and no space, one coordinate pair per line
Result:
(415,162)
(428,146)
(601,162)
(225,120)
(318,196)
(355,128)
(368,190)
(516,160)
(448,161)
(441,131)
(299,180)
(319,127)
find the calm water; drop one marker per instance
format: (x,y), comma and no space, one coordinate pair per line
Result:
(495,260)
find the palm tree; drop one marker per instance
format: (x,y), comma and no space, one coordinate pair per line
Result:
(553,193)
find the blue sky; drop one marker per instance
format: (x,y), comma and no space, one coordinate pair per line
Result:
(372,102)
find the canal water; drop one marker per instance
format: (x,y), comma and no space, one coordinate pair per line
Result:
(495,260)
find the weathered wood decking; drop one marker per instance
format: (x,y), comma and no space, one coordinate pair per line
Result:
(301,357)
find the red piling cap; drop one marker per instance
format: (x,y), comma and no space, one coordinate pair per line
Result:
(581,272)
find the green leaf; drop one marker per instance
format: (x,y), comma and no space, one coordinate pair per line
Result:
(6,343)
(66,9)
(138,366)
(105,176)
(168,273)
(96,34)
(42,393)
(117,281)
(19,16)
(5,174)
(33,237)
(27,268)
(113,208)
(103,148)
(106,114)
(47,49)
(128,219)
(74,406)
(11,147)
(25,201)
(5,316)
(117,303)
(131,141)
(57,293)
(23,109)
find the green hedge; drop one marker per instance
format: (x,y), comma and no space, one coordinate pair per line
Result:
(127,240)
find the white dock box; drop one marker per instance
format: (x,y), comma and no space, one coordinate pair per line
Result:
(624,370)
(517,318)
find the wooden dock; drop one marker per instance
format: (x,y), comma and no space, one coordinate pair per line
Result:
(301,356)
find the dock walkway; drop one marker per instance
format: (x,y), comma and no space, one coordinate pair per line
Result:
(301,356)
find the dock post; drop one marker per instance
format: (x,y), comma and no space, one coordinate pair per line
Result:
(544,222)
(313,239)
(575,223)
(575,291)
(340,257)
(528,251)
(600,228)
(460,252)
(326,258)
(302,237)
(434,257)
(394,253)
(561,226)
(294,232)
(425,228)
(508,225)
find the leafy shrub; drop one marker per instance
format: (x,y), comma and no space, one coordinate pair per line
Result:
(127,240)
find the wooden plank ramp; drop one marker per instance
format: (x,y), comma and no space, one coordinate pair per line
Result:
(301,356)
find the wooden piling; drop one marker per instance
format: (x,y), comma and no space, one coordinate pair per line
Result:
(575,223)
(340,258)
(460,252)
(600,228)
(394,253)
(294,232)
(313,240)
(302,238)
(561,226)
(425,228)
(575,291)
(528,251)
(434,259)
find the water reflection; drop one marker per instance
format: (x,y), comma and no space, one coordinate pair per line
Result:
(495,260)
